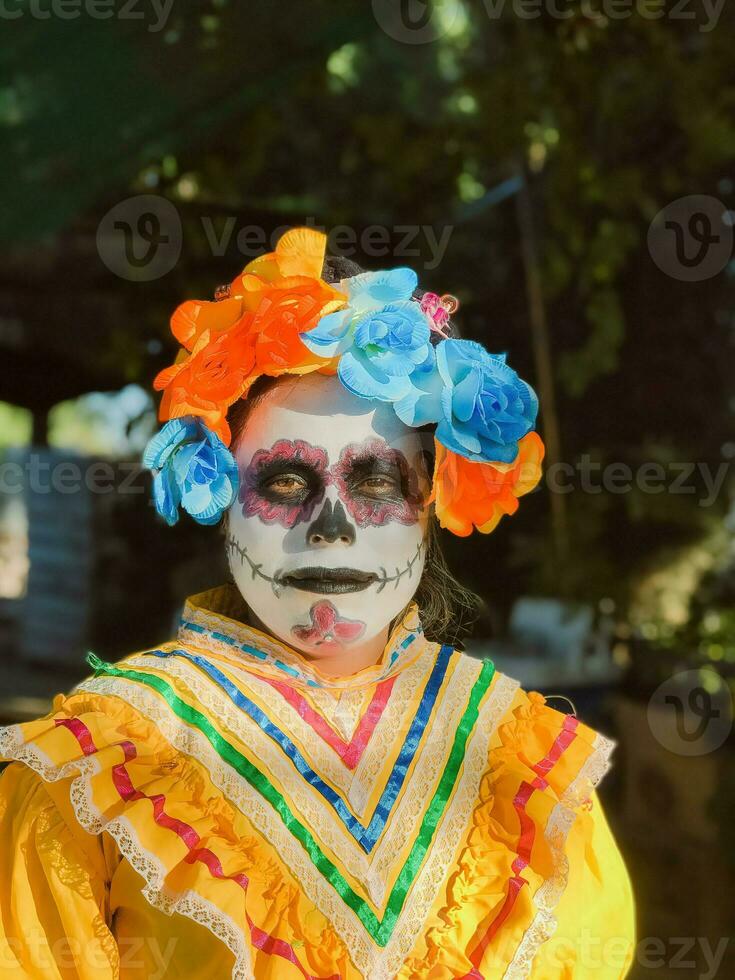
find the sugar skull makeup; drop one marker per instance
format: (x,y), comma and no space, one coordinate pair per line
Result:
(326,538)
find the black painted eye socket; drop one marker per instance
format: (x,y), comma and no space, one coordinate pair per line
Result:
(376,479)
(283,482)
(285,486)
(378,486)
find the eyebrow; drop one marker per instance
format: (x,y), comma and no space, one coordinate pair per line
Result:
(371,462)
(295,455)
(371,448)
(278,463)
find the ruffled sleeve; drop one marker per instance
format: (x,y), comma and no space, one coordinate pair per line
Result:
(595,933)
(53,897)
(132,786)
(540,889)
(566,899)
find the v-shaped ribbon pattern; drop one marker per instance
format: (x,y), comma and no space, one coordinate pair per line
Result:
(365,835)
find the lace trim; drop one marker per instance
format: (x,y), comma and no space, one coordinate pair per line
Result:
(444,853)
(426,776)
(356,784)
(369,959)
(369,771)
(377,755)
(359,784)
(260,813)
(560,823)
(394,658)
(342,710)
(189,904)
(373,872)
(14,747)
(244,729)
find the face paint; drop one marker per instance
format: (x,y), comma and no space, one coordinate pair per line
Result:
(327,627)
(326,540)
(283,484)
(377,484)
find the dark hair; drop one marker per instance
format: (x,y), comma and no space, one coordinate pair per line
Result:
(448,609)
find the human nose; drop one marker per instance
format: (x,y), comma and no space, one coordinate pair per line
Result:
(331,525)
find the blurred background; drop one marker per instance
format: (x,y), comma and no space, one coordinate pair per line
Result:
(568,171)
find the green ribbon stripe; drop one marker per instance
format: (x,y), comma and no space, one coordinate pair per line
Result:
(380,931)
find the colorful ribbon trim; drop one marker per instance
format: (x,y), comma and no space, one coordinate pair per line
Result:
(380,930)
(526,838)
(123,784)
(190,626)
(187,624)
(365,836)
(349,752)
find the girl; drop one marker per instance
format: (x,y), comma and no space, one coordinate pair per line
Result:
(309,780)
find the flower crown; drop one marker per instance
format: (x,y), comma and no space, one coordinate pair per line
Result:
(280,317)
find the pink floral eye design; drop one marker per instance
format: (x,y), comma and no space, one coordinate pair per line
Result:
(377,484)
(283,484)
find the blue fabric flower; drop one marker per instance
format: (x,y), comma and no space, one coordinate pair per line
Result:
(381,336)
(480,406)
(368,292)
(192,468)
(387,346)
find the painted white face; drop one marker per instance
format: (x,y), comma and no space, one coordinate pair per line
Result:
(326,538)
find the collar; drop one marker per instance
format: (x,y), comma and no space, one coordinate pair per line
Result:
(209,621)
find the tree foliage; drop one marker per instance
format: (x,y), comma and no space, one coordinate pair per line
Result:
(311,110)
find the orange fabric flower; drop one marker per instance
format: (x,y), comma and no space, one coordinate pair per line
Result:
(470,495)
(299,252)
(212,378)
(282,316)
(229,343)
(297,261)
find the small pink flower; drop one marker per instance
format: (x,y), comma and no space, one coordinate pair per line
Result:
(438,309)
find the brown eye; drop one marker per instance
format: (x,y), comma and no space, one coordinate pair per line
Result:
(286,486)
(378,486)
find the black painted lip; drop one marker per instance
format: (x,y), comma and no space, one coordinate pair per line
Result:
(329,581)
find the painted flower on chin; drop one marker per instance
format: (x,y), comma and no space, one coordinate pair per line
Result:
(470,495)
(193,469)
(380,338)
(479,404)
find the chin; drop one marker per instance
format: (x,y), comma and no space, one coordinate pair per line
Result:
(321,650)
(319,625)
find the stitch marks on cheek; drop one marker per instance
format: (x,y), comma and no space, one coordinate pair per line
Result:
(327,627)
(283,484)
(384,578)
(377,484)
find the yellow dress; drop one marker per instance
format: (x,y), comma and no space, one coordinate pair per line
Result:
(216,807)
